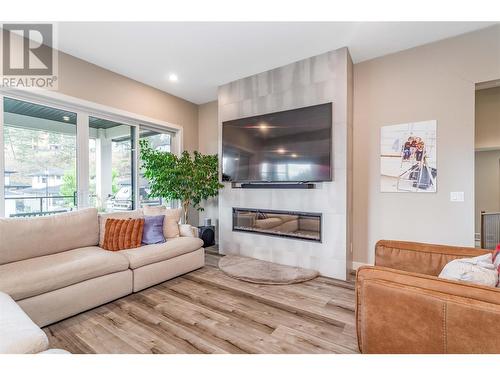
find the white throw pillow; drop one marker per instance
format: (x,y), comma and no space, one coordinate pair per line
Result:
(171,221)
(187,230)
(478,270)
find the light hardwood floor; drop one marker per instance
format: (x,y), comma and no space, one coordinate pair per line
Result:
(207,312)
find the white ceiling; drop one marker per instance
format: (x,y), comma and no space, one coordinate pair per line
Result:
(206,55)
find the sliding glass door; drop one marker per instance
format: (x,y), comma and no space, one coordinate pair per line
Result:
(39,159)
(111,165)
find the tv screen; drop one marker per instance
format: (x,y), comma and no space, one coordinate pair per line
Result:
(288,146)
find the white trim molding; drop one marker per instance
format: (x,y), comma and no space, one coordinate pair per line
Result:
(82,160)
(76,104)
(2,162)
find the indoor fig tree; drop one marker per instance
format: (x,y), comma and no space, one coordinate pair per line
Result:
(190,179)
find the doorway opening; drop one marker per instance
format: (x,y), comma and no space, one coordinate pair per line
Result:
(487,165)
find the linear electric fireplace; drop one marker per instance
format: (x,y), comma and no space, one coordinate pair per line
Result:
(291,224)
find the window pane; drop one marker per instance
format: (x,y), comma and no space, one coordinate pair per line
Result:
(111,165)
(159,141)
(40,159)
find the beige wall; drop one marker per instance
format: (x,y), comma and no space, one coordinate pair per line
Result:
(487,184)
(207,141)
(487,134)
(87,81)
(207,128)
(81,79)
(435,81)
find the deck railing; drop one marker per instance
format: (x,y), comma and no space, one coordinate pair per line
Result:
(41,211)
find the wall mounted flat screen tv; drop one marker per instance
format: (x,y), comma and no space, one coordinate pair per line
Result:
(288,146)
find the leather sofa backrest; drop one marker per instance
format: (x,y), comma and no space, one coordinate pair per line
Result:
(428,259)
(24,238)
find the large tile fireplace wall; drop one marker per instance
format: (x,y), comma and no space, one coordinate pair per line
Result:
(326,78)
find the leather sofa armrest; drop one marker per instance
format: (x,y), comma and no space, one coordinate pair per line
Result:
(403,312)
(417,257)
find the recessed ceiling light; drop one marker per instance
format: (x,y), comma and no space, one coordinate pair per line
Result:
(280,150)
(293,155)
(172,77)
(66,118)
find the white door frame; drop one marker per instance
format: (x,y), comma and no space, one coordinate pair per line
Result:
(82,160)
(2,162)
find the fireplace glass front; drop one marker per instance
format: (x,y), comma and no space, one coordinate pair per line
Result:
(292,224)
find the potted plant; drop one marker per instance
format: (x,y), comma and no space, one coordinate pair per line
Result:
(188,179)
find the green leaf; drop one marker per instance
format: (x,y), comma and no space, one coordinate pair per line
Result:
(190,179)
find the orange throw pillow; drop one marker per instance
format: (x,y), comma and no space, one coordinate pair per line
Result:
(121,234)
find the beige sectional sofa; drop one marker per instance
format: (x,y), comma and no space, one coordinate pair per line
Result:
(53,267)
(18,333)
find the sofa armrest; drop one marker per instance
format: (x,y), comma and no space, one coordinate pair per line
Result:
(417,257)
(402,312)
(186,230)
(18,333)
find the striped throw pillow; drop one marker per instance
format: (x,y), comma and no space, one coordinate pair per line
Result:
(121,234)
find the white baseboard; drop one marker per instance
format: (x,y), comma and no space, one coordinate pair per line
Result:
(356,265)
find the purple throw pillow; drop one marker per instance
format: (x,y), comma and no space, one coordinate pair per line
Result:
(153,230)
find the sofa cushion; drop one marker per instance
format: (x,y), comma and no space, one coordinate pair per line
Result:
(137,214)
(153,230)
(24,238)
(156,253)
(121,234)
(55,351)
(18,333)
(171,221)
(35,276)
(477,270)
(186,230)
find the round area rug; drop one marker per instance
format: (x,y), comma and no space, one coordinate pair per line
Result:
(262,272)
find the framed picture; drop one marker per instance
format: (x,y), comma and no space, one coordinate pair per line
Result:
(408,158)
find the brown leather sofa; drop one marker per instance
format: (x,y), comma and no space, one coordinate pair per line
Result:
(403,307)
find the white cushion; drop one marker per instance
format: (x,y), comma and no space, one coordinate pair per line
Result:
(149,254)
(24,238)
(55,351)
(35,276)
(478,270)
(186,230)
(18,333)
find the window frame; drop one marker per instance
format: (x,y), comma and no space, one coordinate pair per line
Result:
(85,109)
(172,203)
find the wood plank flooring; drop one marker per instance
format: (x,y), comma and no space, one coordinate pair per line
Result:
(206,311)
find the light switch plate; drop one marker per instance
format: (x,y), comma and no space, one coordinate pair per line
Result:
(457,196)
